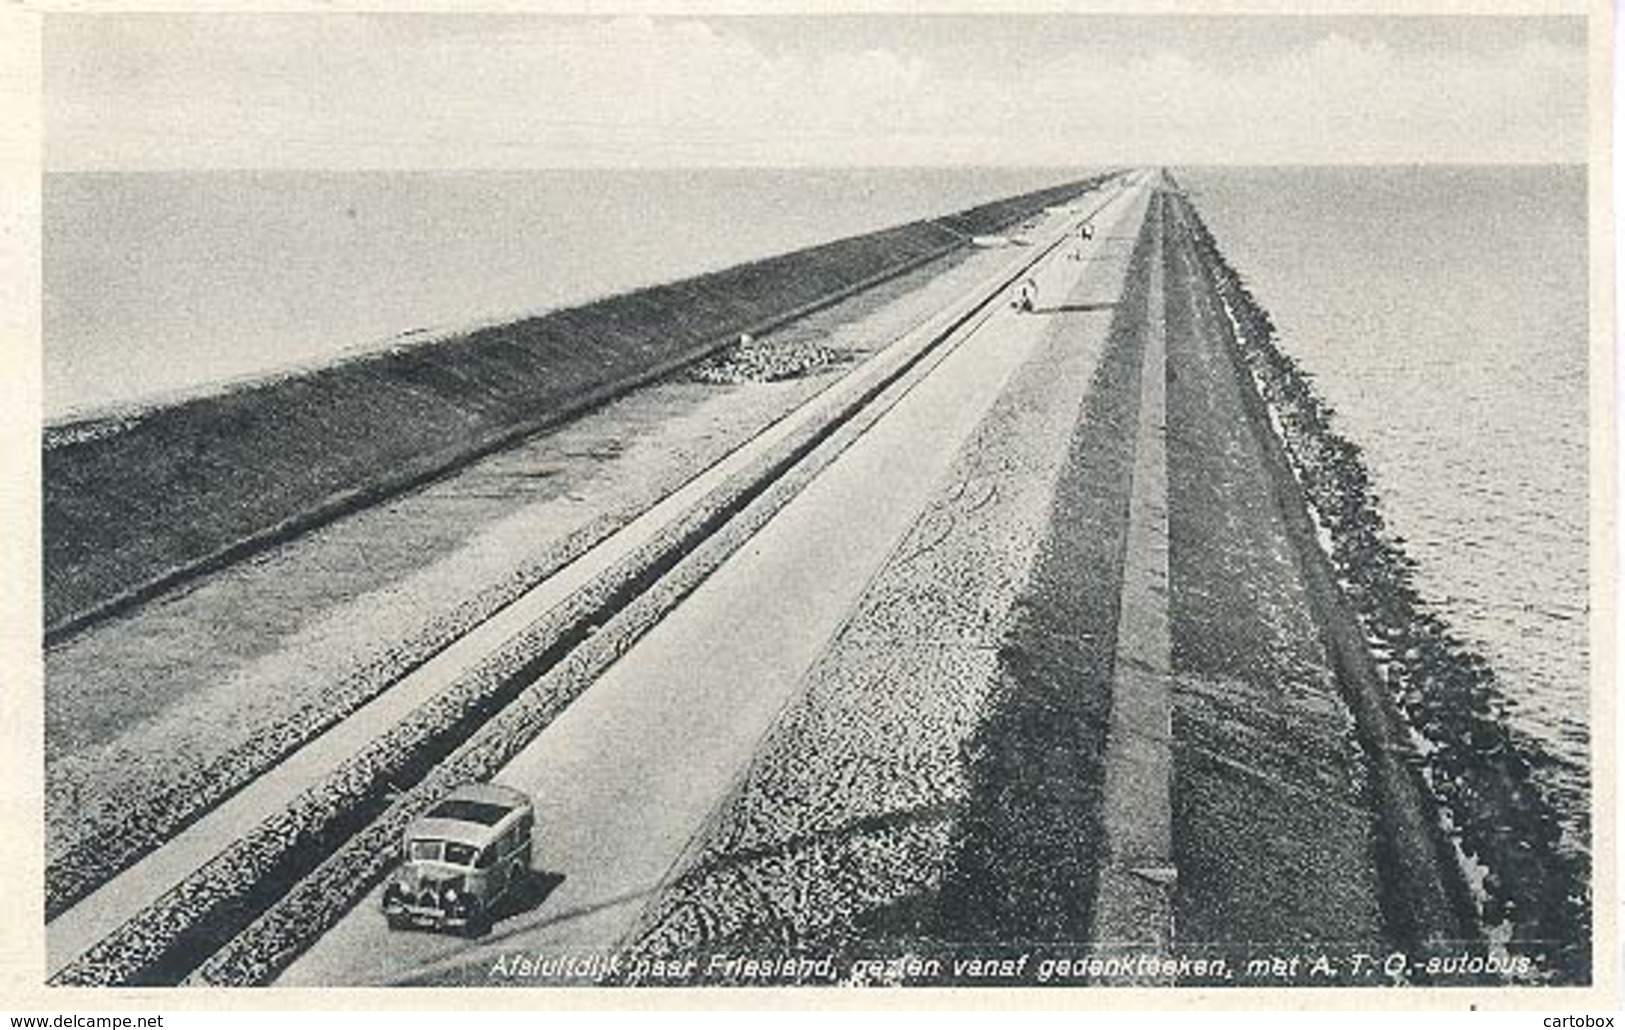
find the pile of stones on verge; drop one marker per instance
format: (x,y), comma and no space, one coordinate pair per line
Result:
(757,361)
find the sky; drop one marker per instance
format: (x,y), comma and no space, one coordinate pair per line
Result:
(350,91)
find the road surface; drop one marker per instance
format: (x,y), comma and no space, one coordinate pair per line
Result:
(627,776)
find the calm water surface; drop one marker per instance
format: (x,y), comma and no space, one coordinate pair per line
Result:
(160,282)
(1443,314)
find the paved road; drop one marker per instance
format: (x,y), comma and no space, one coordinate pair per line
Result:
(628,774)
(122,897)
(126,894)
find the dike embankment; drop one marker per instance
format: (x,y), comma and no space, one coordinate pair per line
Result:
(223,723)
(941,788)
(935,782)
(1341,776)
(136,505)
(1294,818)
(251,908)
(1467,835)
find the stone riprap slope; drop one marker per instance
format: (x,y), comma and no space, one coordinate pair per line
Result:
(1273,822)
(1529,893)
(937,786)
(138,504)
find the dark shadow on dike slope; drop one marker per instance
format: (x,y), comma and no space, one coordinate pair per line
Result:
(1025,869)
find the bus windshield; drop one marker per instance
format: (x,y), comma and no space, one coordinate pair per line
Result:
(450,852)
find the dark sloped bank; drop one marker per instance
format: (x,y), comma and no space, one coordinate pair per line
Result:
(1529,893)
(1026,852)
(135,506)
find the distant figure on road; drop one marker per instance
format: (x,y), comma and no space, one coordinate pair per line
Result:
(1085,232)
(1026,295)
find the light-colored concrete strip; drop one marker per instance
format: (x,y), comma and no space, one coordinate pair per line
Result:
(1134,898)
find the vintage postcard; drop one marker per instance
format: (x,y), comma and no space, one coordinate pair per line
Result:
(1098,503)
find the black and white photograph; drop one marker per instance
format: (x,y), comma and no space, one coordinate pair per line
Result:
(608,500)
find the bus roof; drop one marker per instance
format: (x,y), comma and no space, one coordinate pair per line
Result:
(469,814)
